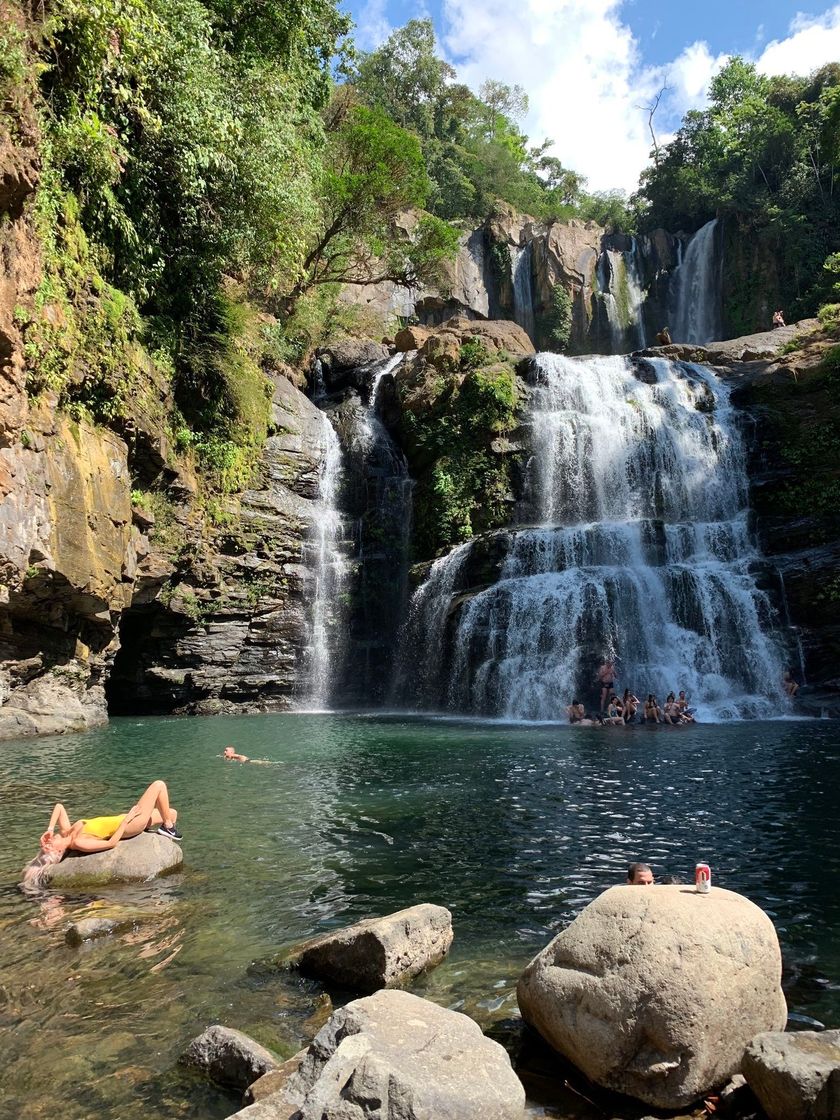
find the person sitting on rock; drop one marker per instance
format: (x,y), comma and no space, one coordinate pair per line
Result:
(577,714)
(789,683)
(653,713)
(630,704)
(686,713)
(100,834)
(663,338)
(640,875)
(778,319)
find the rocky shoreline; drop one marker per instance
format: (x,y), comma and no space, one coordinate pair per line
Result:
(656,997)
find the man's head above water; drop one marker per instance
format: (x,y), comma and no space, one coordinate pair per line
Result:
(640,875)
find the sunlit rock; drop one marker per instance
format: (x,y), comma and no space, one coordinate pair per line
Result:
(656,991)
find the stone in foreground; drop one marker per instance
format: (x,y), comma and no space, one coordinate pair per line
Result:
(229,1057)
(103,925)
(142,857)
(796,1076)
(415,1060)
(379,952)
(656,991)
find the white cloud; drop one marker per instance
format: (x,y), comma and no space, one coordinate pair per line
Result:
(583,71)
(811,42)
(372,26)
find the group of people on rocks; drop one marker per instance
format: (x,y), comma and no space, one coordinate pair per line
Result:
(622,710)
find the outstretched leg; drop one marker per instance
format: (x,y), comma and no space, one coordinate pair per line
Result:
(153,808)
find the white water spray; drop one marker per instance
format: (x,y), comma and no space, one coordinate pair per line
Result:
(642,550)
(696,289)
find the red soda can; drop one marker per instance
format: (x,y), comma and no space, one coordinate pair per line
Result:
(702,878)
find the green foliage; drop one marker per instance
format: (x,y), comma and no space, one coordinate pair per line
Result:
(473,148)
(463,485)
(474,354)
(766,153)
(373,172)
(556,325)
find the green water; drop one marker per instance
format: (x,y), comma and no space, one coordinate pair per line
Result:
(513,828)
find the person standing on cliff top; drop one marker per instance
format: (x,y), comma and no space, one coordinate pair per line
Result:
(663,338)
(778,319)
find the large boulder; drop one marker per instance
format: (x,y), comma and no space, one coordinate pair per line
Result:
(415,1060)
(379,952)
(142,857)
(796,1076)
(229,1057)
(656,991)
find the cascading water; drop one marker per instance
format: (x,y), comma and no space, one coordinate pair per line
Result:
(523,295)
(695,294)
(642,551)
(376,506)
(328,571)
(622,296)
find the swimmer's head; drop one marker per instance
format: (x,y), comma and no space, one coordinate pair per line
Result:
(229,752)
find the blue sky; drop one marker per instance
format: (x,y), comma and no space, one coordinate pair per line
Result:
(590,65)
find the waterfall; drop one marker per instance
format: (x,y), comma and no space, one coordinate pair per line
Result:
(328,568)
(523,296)
(376,506)
(623,298)
(642,549)
(695,290)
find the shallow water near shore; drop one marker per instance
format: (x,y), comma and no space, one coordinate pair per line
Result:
(514,828)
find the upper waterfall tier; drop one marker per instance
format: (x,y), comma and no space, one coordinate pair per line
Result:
(642,551)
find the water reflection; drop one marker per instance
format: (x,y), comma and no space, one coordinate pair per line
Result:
(514,828)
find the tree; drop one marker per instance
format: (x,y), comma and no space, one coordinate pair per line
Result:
(374,171)
(501,101)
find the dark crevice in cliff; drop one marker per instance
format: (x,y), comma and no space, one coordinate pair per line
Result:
(137,683)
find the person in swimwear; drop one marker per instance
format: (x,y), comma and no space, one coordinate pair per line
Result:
(577,714)
(789,683)
(606,679)
(670,713)
(653,713)
(615,711)
(686,713)
(230,755)
(630,704)
(100,834)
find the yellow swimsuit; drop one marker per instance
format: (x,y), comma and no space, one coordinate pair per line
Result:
(103,828)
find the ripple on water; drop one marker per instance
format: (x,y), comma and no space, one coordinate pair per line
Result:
(514,828)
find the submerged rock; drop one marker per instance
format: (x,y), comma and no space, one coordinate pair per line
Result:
(796,1076)
(655,992)
(416,1060)
(142,857)
(379,952)
(229,1057)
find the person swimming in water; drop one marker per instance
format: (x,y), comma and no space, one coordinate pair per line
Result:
(230,755)
(152,812)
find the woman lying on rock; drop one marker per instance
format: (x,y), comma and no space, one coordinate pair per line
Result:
(100,834)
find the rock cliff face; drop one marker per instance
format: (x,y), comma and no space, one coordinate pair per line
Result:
(228,631)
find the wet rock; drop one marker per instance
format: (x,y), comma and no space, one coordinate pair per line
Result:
(272,1082)
(796,1076)
(103,925)
(415,1059)
(655,992)
(142,857)
(379,952)
(229,1057)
